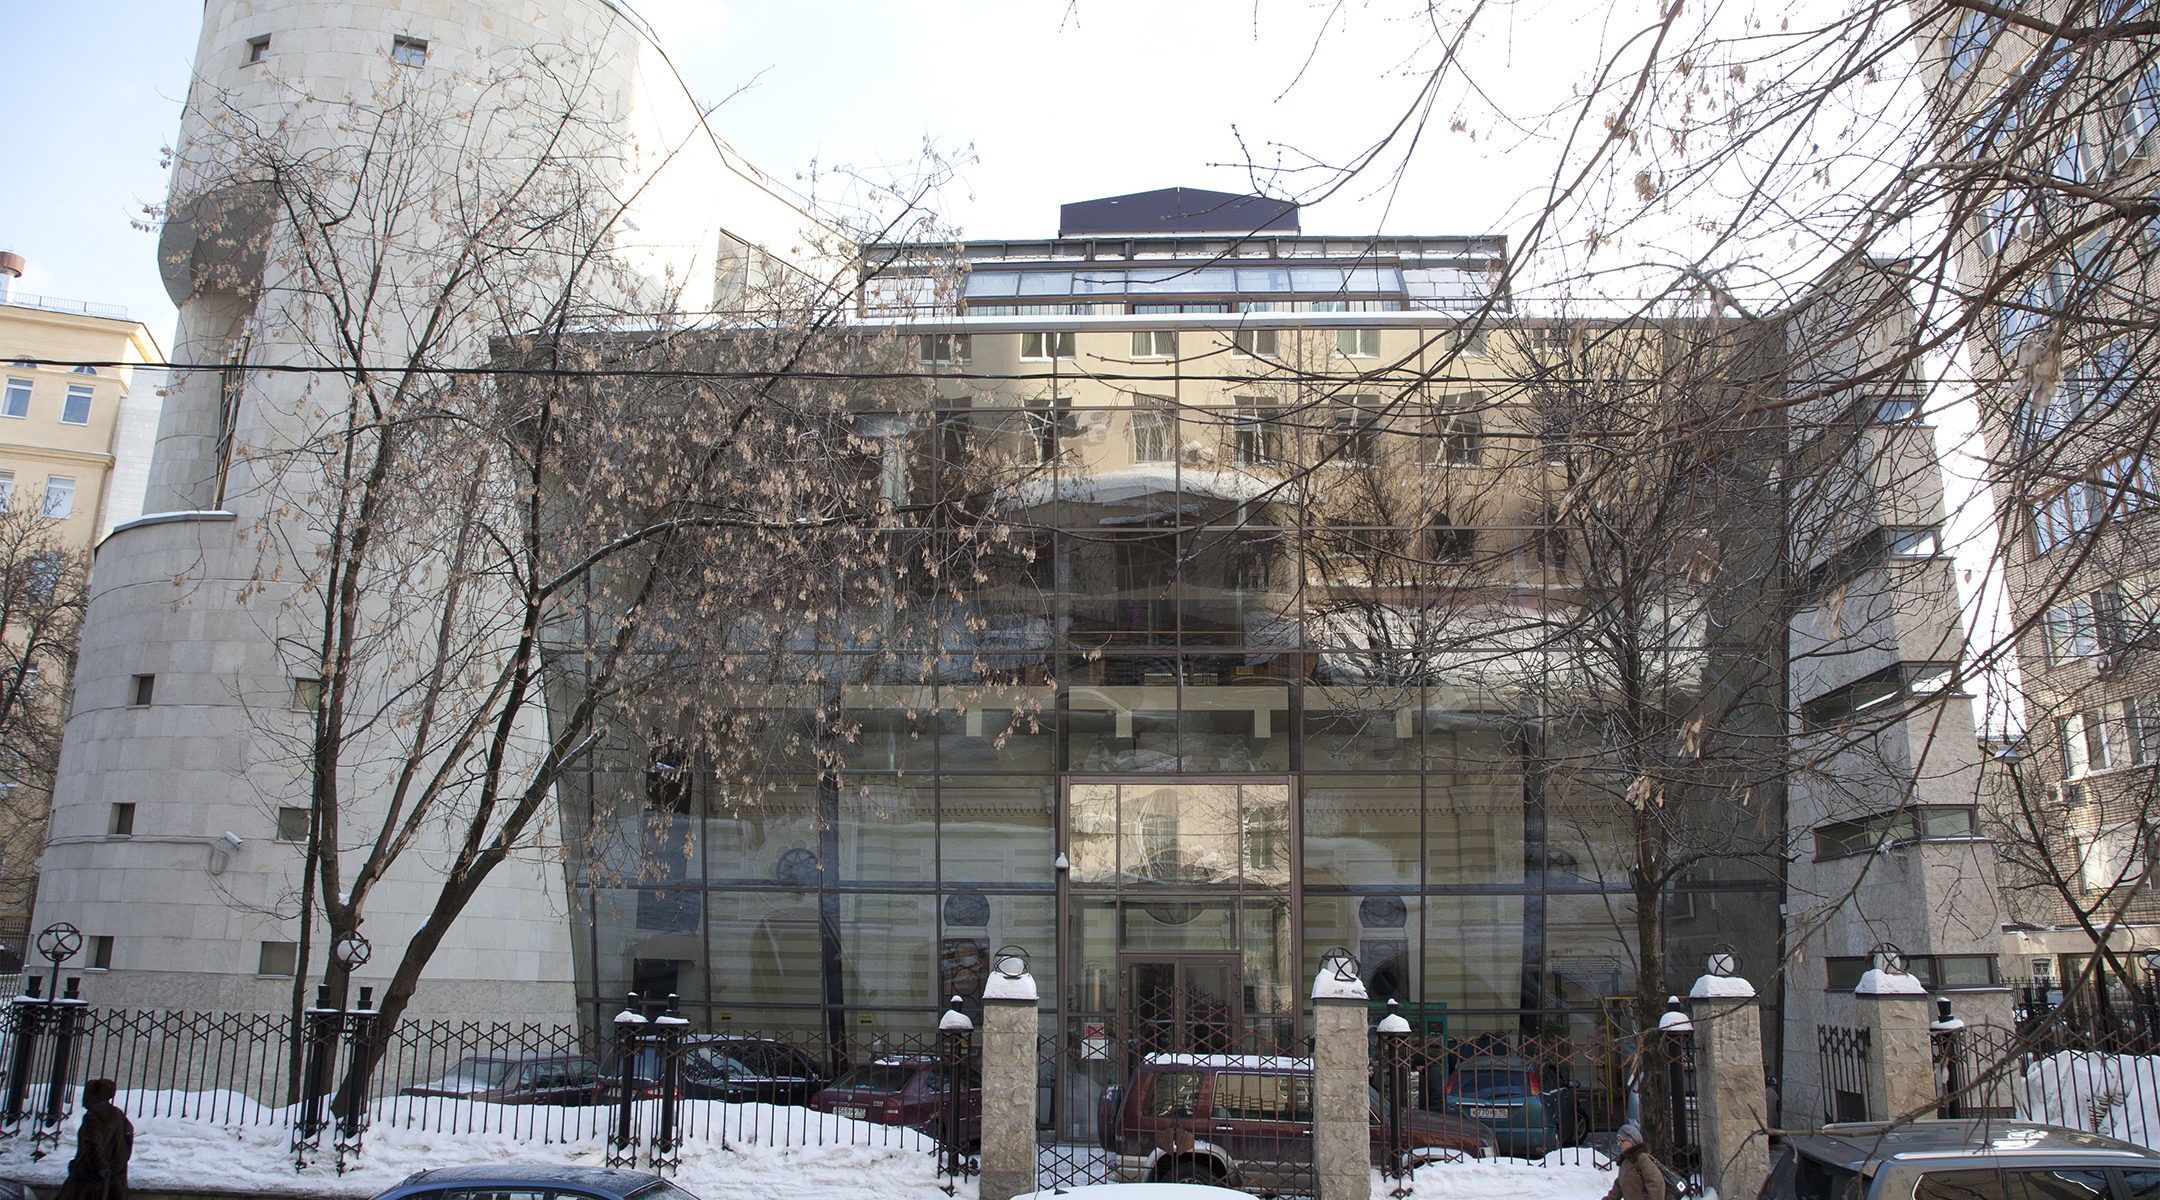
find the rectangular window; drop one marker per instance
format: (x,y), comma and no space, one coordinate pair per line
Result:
(1468,344)
(278,958)
(1153,430)
(1353,431)
(2126,485)
(1358,343)
(1935,972)
(1966,42)
(943,348)
(7,489)
(408,52)
(258,48)
(2059,517)
(1912,824)
(2070,631)
(1154,343)
(307,694)
(1256,343)
(1044,346)
(75,410)
(100,958)
(59,497)
(292,824)
(17,401)
(145,687)
(1914,543)
(1258,433)
(1877,691)
(1460,433)
(122,823)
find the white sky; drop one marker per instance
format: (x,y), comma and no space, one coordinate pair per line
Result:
(1060,101)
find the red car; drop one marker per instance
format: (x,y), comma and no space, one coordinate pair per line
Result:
(903,1091)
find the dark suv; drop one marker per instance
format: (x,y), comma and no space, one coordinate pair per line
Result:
(904,1090)
(1961,1160)
(1244,1121)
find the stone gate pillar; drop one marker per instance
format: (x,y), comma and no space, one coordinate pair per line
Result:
(1342,1121)
(1009,1036)
(1730,1087)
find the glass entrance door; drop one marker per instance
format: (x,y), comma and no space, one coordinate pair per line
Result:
(1181,1004)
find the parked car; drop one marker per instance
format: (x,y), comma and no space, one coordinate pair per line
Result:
(554,1182)
(1244,1121)
(1528,1105)
(1960,1160)
(907,1091)
(570,1080)
(747,1069)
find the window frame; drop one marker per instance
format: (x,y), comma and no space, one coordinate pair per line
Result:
(408,51)
(1248,343)
(15,399)
(1062,344)
(83,393)
(1154,418)
(1352,342)
(257,49)
(944,349)
(65,496)
(1154,343)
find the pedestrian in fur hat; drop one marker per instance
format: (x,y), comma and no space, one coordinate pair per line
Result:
(102,1147)
(1638,1176)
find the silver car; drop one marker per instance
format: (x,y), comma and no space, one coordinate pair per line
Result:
(1961,1160)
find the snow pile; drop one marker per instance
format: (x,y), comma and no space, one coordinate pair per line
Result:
(2113,1094)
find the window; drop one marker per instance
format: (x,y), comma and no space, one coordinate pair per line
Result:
(1172,1094)
(1913,543)
(292,824)
(7,489)
(258,48)
(1966,42)
(278,958)
(307,694)
(100,953)
(2070,631)
(2059,517)
(1446,541)
(1153,430)
(85,369)
(2006,216)
(1351,431)
(1460,437)
(2140,115)
(1258,433)
(1256,343)
(17,401)
(45,570)
(1154,343)
(1935,972)
(943,348)
(1901,407)
(2082,738)
(144,688)
(59,497)
(1911,824)
(2111,857)
(122,823)
(1242,1097)
(1039,436)
(1467,343)
(1046,345)
(75,410)
(2099,383)
(1877,691)
(408,52)
(1358,343)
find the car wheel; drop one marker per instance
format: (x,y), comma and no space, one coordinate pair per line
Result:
(1192,1170)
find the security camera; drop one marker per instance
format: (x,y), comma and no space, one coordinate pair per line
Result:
(233,839)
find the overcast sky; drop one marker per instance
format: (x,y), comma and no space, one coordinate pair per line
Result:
(1054,102)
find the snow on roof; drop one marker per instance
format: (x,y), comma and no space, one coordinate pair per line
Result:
(1722,987)
(1675,1021)
(1878,982)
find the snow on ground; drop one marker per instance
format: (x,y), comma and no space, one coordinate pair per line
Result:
(2113,1094)
(193,1152)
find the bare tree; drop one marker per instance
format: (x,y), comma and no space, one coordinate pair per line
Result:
(43,587)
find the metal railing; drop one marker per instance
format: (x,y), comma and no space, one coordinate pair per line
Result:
(56,304)
(1843,1056)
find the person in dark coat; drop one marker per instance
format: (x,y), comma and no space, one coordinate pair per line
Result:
(102,1147)
(1638,1176)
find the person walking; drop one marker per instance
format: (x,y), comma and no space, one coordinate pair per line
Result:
(102,1147)
(1638,1176)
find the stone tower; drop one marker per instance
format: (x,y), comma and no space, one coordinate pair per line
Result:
(187,696)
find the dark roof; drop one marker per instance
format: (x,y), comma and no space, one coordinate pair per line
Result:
(1177,210)
(1850,1145)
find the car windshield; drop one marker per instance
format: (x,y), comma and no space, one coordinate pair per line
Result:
(707,1065)
(661,1190)
(1489,1085)
(875,1079)
(477,1072)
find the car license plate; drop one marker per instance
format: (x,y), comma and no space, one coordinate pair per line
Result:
(848,1110)
(1485,1111)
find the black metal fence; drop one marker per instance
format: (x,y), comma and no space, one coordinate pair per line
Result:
(1842,1054)
(644,1087)
(2107,1082)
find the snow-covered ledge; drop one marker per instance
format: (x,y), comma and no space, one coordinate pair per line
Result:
(1721,987)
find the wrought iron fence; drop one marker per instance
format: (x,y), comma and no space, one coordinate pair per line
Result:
(1843,1055)
(645,1086)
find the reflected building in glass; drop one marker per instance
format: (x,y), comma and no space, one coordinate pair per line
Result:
(1269,665)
